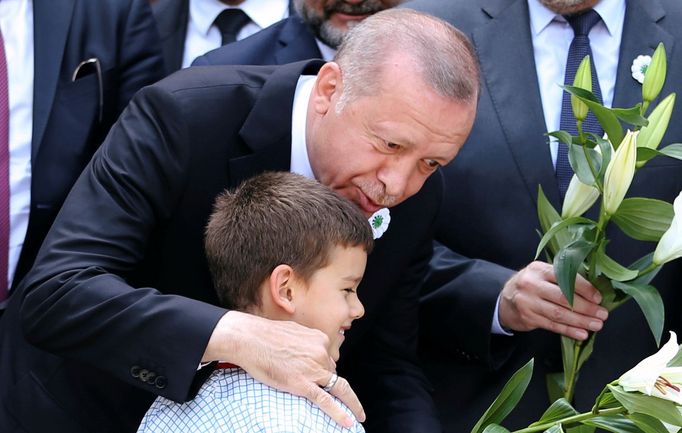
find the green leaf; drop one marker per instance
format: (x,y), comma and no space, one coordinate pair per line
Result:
(559,410)
(555,429)
(636,402)
(605,148)
(677,359)
(494,428)
(508,398)
(548,216)
(581,429)
(671,151)
(608,401)
(647,424)
(555,386)
(562,136)
(567,262)
(568,348)
(578,159)
(644,219)
(557,227)
(607,119)
(631,115)
(586,348)
(612,269)
(643,264)
(651,304)
(615,424)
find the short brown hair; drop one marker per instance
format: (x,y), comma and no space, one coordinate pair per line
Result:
(276,218)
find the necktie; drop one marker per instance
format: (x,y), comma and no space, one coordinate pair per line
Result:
(580,47)
(4,171)
(230,22)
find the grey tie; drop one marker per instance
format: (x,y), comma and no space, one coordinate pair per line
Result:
(230,22)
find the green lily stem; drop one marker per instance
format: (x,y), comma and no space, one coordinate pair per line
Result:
(648,269)
(572,419)
(597,401)
(573,372)
(645,106)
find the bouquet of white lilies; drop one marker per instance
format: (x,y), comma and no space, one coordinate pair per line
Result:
(646,399)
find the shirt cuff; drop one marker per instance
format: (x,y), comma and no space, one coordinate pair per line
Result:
(496,327)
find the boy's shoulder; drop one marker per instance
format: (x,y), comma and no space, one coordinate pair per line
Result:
(232,400)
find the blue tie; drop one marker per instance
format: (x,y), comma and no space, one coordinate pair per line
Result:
(580,47)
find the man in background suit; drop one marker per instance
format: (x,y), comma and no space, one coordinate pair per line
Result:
(120,306)
(72,65)
(489,207)
(314,32)
(189,28)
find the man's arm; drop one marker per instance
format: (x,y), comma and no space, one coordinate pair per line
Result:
(79,303)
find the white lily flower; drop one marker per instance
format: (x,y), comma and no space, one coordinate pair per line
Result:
(653,377)
(579,198)
(670,246)
(620,172)
(379,222)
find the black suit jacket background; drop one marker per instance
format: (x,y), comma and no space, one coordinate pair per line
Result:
(489,213)
(67,128)
(121,284)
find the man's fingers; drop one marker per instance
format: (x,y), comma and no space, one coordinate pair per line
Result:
(345,393)
(581,305)
(555,317)
(587,290)
(325,401)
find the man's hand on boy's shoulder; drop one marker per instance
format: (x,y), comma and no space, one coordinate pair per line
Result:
(286,356)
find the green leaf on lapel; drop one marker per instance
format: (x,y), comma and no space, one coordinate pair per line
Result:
(644,219)
(650,302)
(507,400)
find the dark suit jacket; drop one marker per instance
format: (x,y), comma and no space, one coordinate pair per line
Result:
(71,118)
(489,213)
(120,305)
(289,40)
(171,19)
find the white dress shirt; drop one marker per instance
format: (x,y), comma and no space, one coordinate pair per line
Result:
(552,36)
(203,36)
(16,23)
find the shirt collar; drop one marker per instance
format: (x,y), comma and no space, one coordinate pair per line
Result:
(262,12)
(612,13)
(300,163)
(327,52)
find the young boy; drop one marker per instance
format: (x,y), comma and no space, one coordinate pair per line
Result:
(283,247)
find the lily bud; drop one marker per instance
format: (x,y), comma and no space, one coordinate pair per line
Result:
(620,172)
(651,135)
(579,198)
(655,75)
(583,80)
(670,246)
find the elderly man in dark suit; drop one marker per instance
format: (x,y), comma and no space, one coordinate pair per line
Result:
(71,67)
(315,32)
(489,206)
(120,306)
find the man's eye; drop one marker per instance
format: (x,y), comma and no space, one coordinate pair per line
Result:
(431,163)
(392,146)
(349,290)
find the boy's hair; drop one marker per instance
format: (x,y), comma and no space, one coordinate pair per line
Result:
(272,219)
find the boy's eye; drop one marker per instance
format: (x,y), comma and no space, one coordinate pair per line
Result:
(349,290)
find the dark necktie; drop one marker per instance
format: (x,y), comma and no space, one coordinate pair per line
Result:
(4,171)
(580,47)
(230,22)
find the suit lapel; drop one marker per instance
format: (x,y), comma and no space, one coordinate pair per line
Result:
(267,129)
(296,42)
(641,35)
(51,22)
(513,89)
(171,19)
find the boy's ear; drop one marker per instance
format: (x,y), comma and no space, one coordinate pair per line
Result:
(282,291)
(327,85)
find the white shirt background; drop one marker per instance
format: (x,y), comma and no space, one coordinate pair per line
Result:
(203,36)
(16,24)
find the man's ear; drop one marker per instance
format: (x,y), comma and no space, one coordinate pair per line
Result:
(328,87)
(281,288)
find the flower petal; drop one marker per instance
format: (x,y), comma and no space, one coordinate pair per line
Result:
(643,376)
